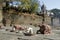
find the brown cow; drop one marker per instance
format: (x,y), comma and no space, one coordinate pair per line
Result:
(44,29)
(17,28)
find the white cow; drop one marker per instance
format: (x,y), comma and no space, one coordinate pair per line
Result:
(29,31)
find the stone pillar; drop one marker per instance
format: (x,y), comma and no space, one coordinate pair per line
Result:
(59,20)
(52,21)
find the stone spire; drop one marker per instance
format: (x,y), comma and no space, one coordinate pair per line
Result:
(43,8)
(43,12)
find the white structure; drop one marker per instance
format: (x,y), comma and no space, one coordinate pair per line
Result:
(50,14)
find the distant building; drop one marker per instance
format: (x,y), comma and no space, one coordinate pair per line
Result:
(51,14)
(14,3)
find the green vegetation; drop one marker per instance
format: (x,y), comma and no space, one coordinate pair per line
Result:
(29,5)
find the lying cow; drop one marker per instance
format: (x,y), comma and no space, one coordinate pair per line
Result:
(44,29)
(29,31)
(17,28)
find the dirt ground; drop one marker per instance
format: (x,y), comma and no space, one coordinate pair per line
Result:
(7,35)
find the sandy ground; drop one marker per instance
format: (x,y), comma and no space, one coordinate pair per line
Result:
(7,35)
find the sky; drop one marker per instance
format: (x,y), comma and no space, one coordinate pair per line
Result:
(50,4)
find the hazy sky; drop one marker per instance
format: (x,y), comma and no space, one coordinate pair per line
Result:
(50,4)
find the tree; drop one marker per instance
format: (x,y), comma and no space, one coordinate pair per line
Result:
(29,5)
